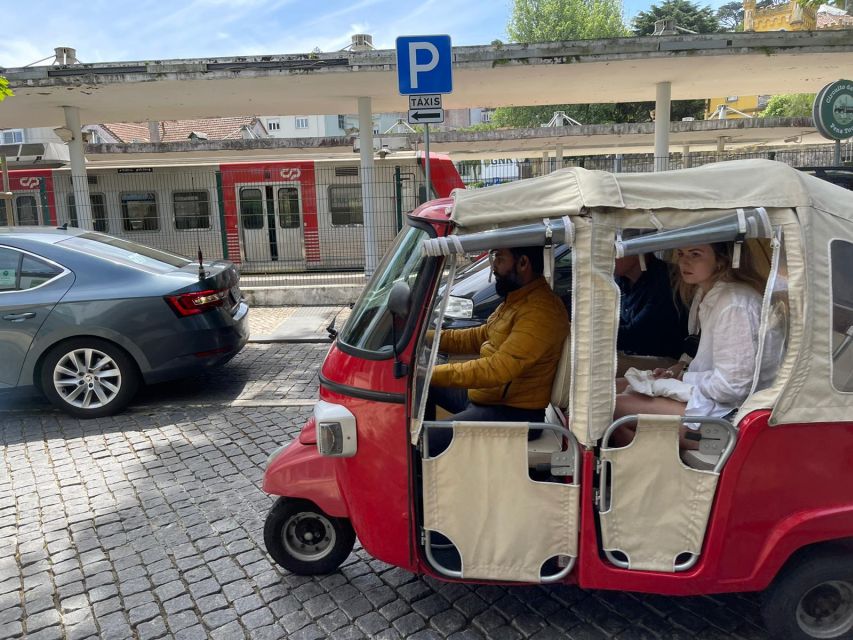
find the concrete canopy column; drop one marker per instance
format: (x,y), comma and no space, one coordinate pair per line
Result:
(365,136)
(663,99)
(79,178)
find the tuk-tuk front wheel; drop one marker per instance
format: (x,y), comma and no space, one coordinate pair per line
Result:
(304,540)
(813,598)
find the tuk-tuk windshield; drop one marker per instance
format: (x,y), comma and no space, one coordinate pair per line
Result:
(369,324)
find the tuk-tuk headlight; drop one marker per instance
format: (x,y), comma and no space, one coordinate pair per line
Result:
(459,307)
(336,433)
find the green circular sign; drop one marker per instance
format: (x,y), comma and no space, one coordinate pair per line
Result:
(833,110)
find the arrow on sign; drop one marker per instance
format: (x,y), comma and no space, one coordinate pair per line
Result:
(426,115)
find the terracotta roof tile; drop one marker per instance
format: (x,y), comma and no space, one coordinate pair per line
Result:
(178,130)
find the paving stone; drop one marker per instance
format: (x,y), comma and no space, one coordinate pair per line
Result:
(41,620)
(219,618)
(155,628)
(258,618)
(143,613)
(409,624)
(372,623)
(196,632)
(231,631)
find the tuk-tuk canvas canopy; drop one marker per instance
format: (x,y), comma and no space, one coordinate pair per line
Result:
(722,185)
(809,212)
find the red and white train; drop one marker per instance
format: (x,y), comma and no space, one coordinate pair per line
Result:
(268,216)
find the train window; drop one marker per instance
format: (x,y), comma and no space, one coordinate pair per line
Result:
(28,213)
(139,211)
(251,209)
(288,207)
(345,204)
(99,212)
(192,209)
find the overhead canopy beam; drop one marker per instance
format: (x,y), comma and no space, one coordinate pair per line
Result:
(511,74)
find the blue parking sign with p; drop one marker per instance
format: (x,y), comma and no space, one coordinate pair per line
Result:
(424,64)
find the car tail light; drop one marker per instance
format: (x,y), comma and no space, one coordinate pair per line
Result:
(194,302)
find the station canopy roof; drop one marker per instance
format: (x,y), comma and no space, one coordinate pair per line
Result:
(590,71)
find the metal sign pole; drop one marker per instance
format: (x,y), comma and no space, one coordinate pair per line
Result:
(836,160)
(426,164)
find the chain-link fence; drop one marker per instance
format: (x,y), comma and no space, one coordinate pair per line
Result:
(482,173)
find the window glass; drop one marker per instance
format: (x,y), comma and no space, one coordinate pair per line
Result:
(192,209)
(369,324)
(345,204)
(99,211)
(288,207)
(28,213)
(841,263)
(251,209)
(301,123)
(139,211)
(126,252)
(4,221)
(35,272)
(13,136)
(10,267)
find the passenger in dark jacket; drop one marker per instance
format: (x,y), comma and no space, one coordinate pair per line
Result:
(651,322)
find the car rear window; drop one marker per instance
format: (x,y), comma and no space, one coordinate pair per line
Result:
(125,252)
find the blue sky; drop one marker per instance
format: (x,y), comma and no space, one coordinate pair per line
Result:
(115,30)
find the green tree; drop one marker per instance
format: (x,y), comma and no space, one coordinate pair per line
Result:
(790,105)
(685,13)
(555,20)
(5,91)
(730,16)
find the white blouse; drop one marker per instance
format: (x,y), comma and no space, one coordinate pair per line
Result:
(722,371)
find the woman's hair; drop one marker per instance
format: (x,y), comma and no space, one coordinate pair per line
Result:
(746,272)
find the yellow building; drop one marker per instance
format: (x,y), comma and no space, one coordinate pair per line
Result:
(783,17)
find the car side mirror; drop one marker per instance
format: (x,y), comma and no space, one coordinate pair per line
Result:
(399,304)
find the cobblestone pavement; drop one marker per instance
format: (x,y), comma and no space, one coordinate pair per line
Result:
(149,525)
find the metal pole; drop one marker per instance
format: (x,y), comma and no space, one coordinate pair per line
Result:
(365,134)
(79,179)
(426,163)
(836,159)
(6,188)
(663,95)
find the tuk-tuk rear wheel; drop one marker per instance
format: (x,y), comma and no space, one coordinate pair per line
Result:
(304,540)
(812,599)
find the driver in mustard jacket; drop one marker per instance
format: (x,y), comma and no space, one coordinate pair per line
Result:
(519,348)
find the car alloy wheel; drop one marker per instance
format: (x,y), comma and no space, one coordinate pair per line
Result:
(87,378)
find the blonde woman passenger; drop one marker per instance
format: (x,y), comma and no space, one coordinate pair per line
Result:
(725,308)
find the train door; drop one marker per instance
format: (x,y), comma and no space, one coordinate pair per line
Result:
(25,210)
(270,217)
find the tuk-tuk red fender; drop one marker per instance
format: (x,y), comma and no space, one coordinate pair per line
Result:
(301,472)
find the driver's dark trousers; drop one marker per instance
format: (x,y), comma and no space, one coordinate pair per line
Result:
(455,401)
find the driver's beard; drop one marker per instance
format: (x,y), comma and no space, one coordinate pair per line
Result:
(504,285)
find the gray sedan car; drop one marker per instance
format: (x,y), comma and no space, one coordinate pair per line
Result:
(87,317)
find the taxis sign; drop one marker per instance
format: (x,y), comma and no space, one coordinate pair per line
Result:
(833,110)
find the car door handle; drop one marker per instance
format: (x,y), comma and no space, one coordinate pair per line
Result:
(19,317)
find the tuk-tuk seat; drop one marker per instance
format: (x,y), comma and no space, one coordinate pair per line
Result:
(539,450)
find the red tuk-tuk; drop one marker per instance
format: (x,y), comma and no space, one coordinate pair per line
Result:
(764,504)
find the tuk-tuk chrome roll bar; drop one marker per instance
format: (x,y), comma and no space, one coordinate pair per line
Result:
(715,426)
(737,226)
(567,466)
(558,230)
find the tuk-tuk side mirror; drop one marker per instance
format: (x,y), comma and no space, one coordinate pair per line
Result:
(399,300)
(399,304)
